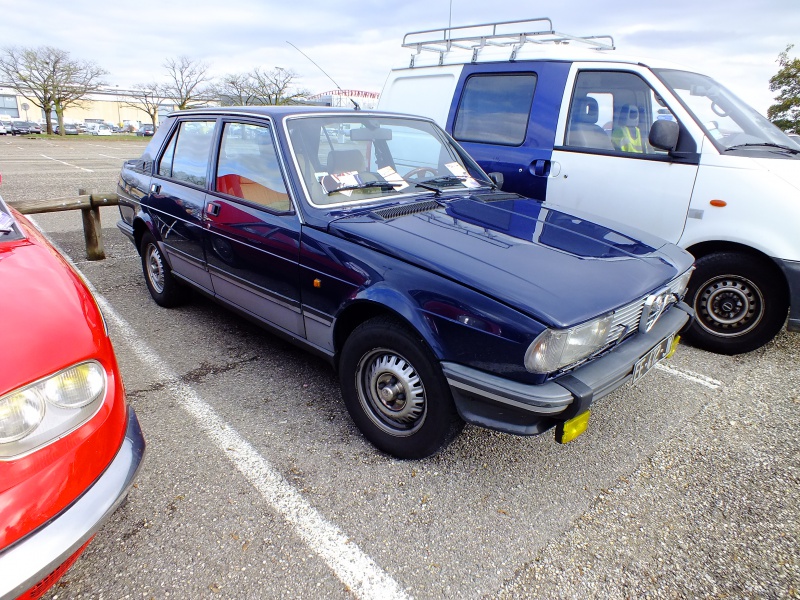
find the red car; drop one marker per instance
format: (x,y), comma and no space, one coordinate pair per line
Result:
(70,446)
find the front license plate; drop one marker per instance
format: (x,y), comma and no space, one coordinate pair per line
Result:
(649,360)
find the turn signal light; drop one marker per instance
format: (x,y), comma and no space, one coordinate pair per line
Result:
(572,428)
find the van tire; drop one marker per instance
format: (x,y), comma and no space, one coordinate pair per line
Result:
(740,302)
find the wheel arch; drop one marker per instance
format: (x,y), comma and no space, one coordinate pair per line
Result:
(390,305)
(702,249)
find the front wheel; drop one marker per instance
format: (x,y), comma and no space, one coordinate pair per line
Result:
(395,391)
(740,303)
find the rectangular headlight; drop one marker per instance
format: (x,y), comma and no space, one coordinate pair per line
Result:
(554,349)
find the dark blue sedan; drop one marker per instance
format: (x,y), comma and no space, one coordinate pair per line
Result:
(375,241)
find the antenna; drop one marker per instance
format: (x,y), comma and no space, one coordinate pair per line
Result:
(355,104)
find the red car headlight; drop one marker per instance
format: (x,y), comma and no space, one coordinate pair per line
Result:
(47,409)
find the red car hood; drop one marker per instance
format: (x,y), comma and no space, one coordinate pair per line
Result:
(40,304)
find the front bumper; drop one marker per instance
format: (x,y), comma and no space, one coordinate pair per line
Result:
(522,409)
(791,269)
(31,559)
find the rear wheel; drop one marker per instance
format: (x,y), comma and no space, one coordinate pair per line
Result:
(395,391)
(163,286)
(740,303)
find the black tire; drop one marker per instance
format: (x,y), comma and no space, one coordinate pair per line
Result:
(163,286)
(740,303)
(416,416)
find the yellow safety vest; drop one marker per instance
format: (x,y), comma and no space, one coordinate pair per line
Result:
(628,139)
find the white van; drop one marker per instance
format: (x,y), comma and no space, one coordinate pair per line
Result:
(567,120)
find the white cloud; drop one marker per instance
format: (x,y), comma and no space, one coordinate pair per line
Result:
(356,43)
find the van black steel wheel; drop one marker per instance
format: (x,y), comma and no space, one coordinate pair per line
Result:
(740,303)
(395,392)
(163,287)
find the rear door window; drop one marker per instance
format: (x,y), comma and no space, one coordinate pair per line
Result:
(186,155)
(495,109)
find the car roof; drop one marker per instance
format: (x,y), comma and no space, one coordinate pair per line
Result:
(278,112)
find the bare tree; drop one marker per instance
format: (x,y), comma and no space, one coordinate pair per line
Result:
(73,81)
(234,89)
(49,78)
(275,86)
(28,71)
(147,97)
(187,77)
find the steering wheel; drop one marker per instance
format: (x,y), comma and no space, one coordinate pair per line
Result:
(419,173)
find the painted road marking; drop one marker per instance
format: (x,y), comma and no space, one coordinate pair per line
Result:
(691,376)
(66,163)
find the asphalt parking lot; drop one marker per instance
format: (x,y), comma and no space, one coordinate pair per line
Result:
(256,483)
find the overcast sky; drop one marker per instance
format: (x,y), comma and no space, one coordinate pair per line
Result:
(357,42)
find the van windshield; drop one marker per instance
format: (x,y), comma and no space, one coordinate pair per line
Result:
(729,122)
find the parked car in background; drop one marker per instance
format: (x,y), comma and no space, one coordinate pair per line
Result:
(69,129)
(439,298)
(70,446)
(146,130)
(4,128)
(670,151)
(20,128)
(101,130)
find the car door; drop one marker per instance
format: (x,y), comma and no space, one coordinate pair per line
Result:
(603,163)
(176,199)
(254,231)
(505,116)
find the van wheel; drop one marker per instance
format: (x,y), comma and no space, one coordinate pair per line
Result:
(740,303)
(395,391)
(163,286)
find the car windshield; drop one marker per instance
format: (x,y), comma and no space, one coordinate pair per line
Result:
(350,159)
(731,123)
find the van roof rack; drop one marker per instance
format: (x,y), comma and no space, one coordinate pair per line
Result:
(501,34)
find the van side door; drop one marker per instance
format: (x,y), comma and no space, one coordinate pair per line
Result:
(603,162)
(505,116)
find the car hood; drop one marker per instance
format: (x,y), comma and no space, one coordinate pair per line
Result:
(786,169)
(555,267)
(49,319)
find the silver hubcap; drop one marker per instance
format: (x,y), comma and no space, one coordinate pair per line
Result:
(391,392)
(155,268)
(729,306)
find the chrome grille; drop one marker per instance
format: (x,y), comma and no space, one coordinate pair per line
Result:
(626,319)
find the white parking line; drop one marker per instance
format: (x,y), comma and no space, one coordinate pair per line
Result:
(66,163)
(691,376)
(350,565)
(354,568)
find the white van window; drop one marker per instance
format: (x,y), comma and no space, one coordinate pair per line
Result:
(495,109)
(613,111)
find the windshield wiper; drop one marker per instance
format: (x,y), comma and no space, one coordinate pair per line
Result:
(763,144)
(384,185)
(437,183)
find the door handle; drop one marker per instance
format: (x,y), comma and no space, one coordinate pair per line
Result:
(155,188)
(540,168)
(212,208)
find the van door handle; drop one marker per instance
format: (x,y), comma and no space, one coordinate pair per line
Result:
(540,168)
(212,208)
(155,188)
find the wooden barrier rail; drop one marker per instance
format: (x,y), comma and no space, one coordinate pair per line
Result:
(89,204)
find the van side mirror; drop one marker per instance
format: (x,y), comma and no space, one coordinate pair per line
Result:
(497,178)
(664,135)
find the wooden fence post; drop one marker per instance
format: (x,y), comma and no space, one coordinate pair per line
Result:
(92,230)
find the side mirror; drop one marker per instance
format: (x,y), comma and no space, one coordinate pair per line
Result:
(664,135)
(497,178)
